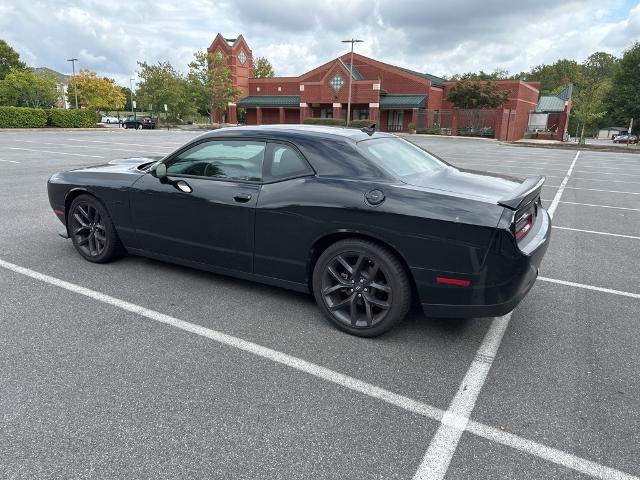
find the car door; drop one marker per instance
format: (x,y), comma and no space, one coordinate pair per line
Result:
(204,209)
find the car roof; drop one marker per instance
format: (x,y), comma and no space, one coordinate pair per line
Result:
(297,131)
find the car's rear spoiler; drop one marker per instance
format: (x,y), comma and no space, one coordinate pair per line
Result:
(528,190)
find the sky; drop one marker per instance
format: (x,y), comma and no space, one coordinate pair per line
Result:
(441,38)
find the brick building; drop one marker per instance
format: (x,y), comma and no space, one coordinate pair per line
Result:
(388,95)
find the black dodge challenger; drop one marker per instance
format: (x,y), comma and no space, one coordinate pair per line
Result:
(365,221)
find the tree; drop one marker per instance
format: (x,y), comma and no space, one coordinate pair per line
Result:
(622,101)
(95,92)
(210,83)
(588,104)
(126,91)
(599,67)
(262,68)
(497,74)
(161,84)
(24,88)
(552,76)
(472,94)
(9,59)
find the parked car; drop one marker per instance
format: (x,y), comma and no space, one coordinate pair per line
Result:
(139,122)
(109,119)
(364,221)
(626,139)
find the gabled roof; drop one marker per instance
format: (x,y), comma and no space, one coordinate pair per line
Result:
(548,103)
(555,103)
(270,101)
(355,74)
(566,93)
(435,81)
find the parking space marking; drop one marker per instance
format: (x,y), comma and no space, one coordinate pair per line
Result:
(55,153)
(600,190)
(8,161)
(428,411)
(596,232)
(63,145)
(549,454)
(563,185)
(596,205)
(123,143)
(590,287)
(444,443)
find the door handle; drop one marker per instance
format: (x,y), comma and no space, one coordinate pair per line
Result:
(242,197)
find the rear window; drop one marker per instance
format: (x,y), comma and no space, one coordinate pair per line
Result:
(401,157)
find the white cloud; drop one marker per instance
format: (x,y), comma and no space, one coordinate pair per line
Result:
(296,35)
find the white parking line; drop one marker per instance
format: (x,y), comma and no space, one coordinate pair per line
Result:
(596,205)
(596,232)
(436,460)
(56,153)
(106,147)
(169,144)
(590,287)
(600,190)
(563,185)
(8,161)
(491,433)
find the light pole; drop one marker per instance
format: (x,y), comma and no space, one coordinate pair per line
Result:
(73,66)
(352,41)
(133,110)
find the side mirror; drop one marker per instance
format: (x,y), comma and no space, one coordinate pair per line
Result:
(160,171)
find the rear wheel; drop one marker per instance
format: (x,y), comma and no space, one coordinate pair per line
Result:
(361,287)
(92,231)
(124,125)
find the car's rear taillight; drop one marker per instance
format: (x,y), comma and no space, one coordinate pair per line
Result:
(524,220)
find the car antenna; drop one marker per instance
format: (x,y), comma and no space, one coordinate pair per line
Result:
(370,130)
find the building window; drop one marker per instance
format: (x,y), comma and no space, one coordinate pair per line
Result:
(326,112)
(242,57)
(360,114)
(337,82)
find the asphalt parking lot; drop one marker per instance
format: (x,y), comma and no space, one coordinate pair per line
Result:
(142,369)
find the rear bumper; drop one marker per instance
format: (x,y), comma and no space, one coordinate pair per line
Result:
(506,279)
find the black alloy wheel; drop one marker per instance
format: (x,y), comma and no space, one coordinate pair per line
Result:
(361,287)
(92,231)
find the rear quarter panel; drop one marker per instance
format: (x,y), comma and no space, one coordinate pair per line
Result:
(430,231)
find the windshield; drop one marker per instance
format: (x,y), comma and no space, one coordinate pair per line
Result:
(401,157)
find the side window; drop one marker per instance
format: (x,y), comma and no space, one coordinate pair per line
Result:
(224,159)
(286,163)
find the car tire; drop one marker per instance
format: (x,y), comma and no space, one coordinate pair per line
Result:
(139,127)
(108,121)
(92,231)
(124,125)
(361,287)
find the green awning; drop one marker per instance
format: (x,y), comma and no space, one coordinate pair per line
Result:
(402,101)
(270,101)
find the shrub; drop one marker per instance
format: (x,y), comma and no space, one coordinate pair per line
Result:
(73,118)
(324,121)
(19,117)
(411,126)
(430,131)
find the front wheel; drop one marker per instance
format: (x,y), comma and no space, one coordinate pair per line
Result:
(139,127)
(124,125)
(91,230)
(361,287)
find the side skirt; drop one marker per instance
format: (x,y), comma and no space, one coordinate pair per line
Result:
(276,282)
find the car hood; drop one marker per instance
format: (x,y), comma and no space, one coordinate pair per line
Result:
(120,165)
(485,186)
